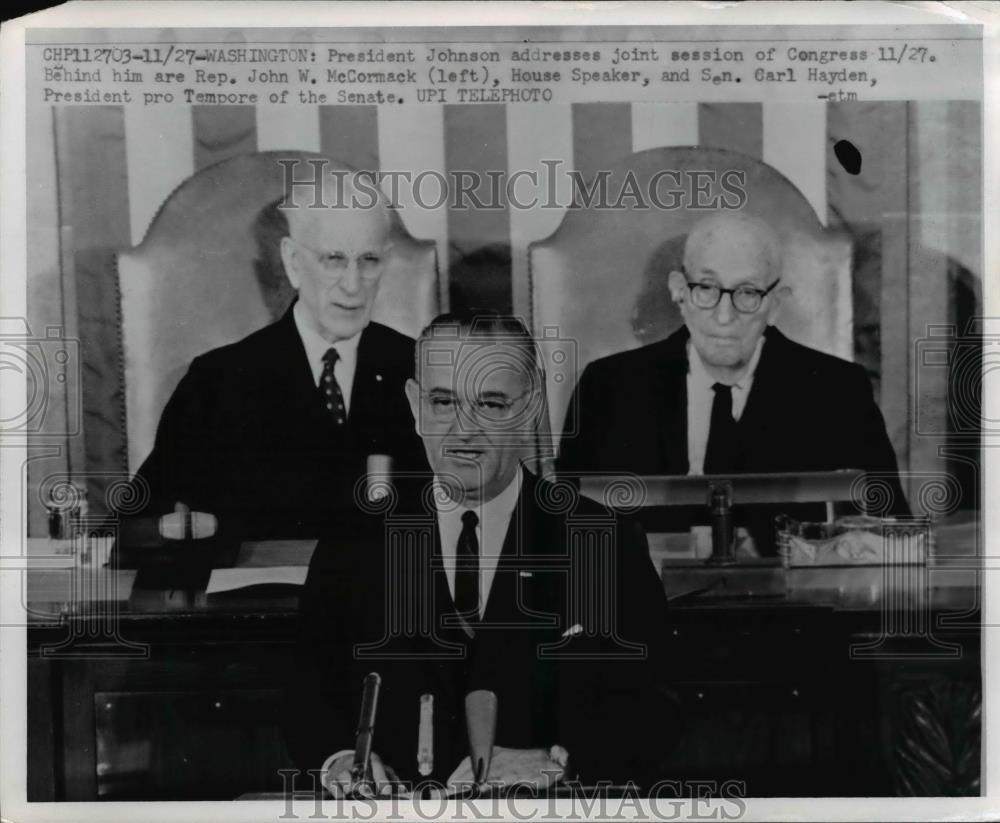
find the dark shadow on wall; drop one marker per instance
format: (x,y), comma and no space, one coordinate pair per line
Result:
(269,227)
(481,278)
(655,316)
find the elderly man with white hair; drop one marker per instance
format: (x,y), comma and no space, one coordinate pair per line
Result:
(271,433)
(728,393)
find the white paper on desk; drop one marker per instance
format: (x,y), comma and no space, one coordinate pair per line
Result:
(275,553)
(510,766)
(225,580)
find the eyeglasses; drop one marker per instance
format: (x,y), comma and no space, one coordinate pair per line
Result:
(746,299)
(335,263)
(488,409)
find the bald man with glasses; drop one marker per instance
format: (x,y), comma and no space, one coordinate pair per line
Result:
(728,392)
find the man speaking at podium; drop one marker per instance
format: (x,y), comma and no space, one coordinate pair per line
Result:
(270,434)
(728,393)
(482,578)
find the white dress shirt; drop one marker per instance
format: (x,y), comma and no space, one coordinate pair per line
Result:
(316,346)
(701,396)
(494,520)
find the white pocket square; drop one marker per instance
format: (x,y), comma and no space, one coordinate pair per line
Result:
(576,628)
(523,573)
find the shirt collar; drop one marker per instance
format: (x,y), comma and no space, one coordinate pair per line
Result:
(316,345)
(500,508)
(699,374)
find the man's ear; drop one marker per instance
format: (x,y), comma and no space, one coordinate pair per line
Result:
(678,286)
(289,259)
(383,262)
(778,297)
(412,389)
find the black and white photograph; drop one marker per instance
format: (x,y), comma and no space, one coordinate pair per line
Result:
(497,411)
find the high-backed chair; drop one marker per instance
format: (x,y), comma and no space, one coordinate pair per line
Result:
(208,272)
(599,282)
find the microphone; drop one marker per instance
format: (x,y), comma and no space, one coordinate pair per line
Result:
(361,769)
(187,525)
(481,722)
(180,524)
(425,736)
(378,477)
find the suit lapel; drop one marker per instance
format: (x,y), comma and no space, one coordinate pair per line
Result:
(286,376)
(670,402)
(417,505)
(500,606)
(443,673)
(761,410)
(518,588)
(365,386)
(369,392)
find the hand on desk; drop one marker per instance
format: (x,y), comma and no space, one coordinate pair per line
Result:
(540,768)
(337,779)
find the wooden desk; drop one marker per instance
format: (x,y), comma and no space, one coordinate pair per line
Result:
(176,695)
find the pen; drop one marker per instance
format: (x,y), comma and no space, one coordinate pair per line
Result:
(425,736)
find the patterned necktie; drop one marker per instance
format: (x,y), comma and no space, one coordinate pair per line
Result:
(467,568)
(332,397)
(723,434)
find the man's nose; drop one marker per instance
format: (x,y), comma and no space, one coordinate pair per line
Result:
(467,425)
(350,279)
(725,312)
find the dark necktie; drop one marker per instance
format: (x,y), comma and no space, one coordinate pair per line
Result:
(723,434)
(332,397)
(467,568)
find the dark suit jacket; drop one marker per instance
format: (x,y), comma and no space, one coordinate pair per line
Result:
(807,411)
(245,435)
(604,709)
